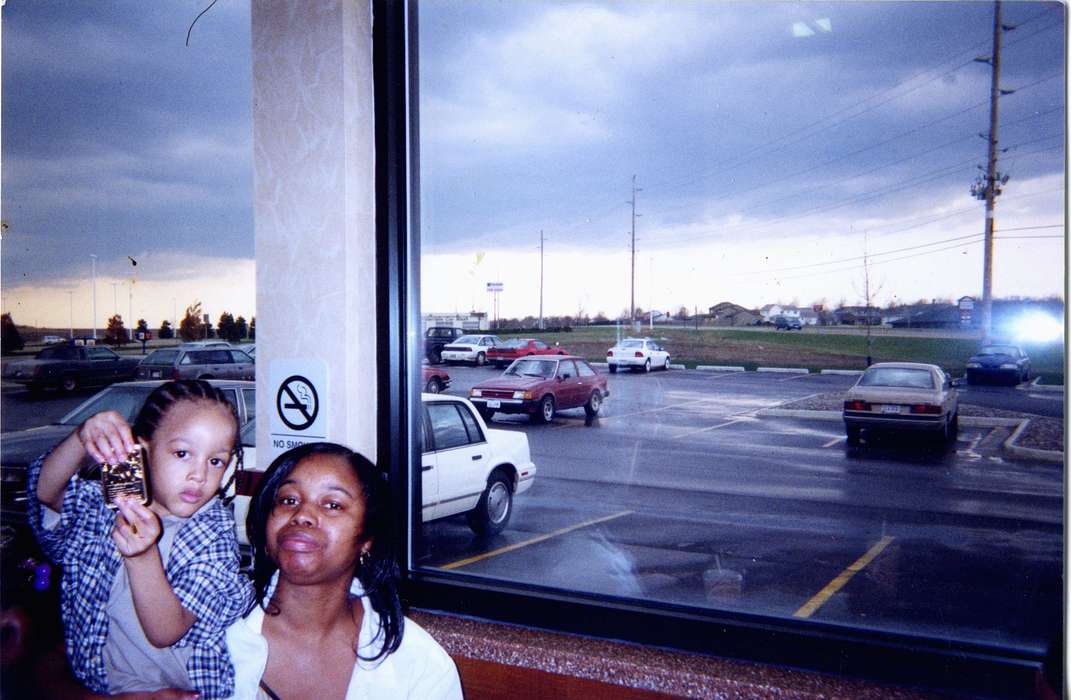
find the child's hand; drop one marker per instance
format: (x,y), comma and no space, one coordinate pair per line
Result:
(107,437)
(136,528)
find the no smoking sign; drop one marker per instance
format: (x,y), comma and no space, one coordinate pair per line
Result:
(299,412)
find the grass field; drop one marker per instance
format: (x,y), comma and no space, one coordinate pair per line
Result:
(811,349)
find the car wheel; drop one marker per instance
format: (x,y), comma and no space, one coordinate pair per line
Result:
(853,432)
(612,368)
(647,366)
(485,413)
(665,366)
(591,408)
(434,386)
(434,357)
(69,384)
(481,359)
(545,414)
(954,425)
(491,514)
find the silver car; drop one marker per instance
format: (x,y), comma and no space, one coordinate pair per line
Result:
(902,396)
(195,363)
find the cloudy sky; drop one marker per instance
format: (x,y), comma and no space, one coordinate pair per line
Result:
(772,144)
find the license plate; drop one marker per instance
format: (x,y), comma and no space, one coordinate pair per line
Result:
(494,403)
(155,374)
(891,408)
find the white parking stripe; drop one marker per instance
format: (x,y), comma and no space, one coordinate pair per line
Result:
(834,441)
(709,428)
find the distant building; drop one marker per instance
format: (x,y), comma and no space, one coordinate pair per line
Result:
(771,311)
(470,321)
(729,314)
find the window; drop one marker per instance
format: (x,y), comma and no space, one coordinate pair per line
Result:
(447,426)
(765,166)
(102,354)
(584,369)
(239,357)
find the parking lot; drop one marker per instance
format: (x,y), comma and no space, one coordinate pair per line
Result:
(681,491)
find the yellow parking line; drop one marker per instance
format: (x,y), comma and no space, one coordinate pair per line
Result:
(509,548)
(834,441)
(836,584)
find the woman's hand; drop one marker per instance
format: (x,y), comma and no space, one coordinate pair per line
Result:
(136,528)
(107,437)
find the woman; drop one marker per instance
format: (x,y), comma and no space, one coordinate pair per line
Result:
(329,622)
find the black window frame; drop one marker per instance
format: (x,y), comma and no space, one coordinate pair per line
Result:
(869,654)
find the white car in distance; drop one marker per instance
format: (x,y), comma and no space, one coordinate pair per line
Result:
(470,348)
(637,353)
(465,466)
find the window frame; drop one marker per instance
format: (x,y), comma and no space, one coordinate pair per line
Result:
(869,654)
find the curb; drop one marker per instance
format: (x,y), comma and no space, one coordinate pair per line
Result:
(719,368)
(1030,452)
(843,372)
(672,366)
(1034,386)
(784,370)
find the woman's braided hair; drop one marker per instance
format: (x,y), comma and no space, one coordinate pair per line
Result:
(167,395)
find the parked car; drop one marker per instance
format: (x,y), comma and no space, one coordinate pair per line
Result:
(542,386)
(902,396)
(507,352)
(466,467)
(435,380)
(19,448)
(999,362)
(249,349)
(52,339)
(470,348)
(204,344)
(193,363)
(787,323)
(637,353)
(438,337)
(69,367)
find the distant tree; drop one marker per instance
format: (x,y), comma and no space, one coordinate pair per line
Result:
(243,327)
(253,328)
(191,327)
(166,331)
(10,338)
(228,329)
(116,334)
(682,313)
(600,317)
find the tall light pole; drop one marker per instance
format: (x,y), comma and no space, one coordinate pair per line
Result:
(115,297)
(94,284)
(70,304)
(632,301)
(540,279)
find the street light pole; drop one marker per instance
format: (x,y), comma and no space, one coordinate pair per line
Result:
(94,284)
(70,304)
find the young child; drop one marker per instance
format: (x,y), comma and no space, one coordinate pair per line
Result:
(148,591)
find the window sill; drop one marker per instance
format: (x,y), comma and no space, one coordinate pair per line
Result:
(501,660)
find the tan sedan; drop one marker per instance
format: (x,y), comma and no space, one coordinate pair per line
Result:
(902,396)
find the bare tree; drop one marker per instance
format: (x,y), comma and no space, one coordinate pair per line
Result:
(870,293)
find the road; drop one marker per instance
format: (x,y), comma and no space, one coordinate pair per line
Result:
(681,492)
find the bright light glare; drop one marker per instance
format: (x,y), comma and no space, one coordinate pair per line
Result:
(1038,328)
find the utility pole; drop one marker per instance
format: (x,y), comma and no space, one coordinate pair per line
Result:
(990,187)
(632,301)
(94,283)
(540,279)
(70,305)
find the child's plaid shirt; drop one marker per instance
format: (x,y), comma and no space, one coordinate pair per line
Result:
(202,569)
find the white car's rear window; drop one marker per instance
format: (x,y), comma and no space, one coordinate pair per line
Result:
(898,376)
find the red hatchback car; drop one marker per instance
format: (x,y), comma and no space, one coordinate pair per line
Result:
(502,355)
(541,386)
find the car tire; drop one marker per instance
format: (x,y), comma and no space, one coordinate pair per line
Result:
(434,386)
(612,368)
(853,433)
(434,357)
(665,366)
(492,513)
(954,424)
(68,385)
(481,359)
(591,408)
(545,412)
(647,366)
(485,413)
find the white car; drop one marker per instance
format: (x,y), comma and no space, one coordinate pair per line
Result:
(901,397)
(637,353)
(466,467)
(470,348)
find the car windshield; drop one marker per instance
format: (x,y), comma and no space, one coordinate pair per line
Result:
(468,340)
(999,350)
(125,400)
(515,343)
(899,377)
(533,368)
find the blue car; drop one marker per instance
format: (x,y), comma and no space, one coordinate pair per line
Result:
(1002,363)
